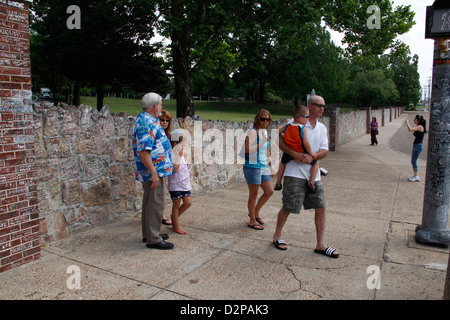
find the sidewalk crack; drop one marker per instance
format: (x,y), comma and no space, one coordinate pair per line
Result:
(299,285)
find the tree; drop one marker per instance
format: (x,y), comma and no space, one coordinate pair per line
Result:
(372,89)
(321,66)
(110,45)
(254,31)
(267,32)
(351,17)
(263,33)
(372,80)
(177,21)
(405,74)
(45,73)
(214,58)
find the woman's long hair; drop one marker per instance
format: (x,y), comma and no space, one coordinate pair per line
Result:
(166,115)
(422,122)
(259,114)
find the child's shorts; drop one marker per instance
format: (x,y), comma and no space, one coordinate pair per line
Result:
(174,195)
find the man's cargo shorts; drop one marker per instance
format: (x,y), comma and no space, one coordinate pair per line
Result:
(296,194)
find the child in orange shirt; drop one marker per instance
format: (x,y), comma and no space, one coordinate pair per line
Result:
(296,138)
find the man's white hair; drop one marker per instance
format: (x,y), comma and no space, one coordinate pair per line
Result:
(314,99)
(150,99)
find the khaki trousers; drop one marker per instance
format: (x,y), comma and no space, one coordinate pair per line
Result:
(152,211)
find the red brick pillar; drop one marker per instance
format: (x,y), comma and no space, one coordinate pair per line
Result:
(19,213)
(368,119)
(334,130)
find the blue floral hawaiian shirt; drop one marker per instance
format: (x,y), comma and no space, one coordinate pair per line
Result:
(148,135)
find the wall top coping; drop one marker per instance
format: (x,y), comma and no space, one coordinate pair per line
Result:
(15,3)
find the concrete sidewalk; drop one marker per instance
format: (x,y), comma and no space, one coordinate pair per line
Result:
(372,212)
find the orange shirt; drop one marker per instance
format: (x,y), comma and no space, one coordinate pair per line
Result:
(292,137)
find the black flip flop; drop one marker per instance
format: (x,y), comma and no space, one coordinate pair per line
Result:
(255,226)
(259,220)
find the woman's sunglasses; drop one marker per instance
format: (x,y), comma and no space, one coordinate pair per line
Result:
(264,119)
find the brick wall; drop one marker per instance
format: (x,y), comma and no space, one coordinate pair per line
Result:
(19,213)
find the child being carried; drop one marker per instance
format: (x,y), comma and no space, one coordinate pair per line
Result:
(296,138)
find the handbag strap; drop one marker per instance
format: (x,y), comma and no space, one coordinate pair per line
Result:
(247,155)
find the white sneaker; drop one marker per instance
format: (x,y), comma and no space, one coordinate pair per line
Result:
(414,178)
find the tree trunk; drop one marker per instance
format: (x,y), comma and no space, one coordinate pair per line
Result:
(180,56)
(261,92)
(222,95)
(53,85)
(76,93)
(100,95)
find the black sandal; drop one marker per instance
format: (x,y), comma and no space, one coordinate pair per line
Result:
(280,244)
(259,220)
(311,186)
(329,252)
(256,226)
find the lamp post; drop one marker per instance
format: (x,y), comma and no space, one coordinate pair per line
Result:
(434,228)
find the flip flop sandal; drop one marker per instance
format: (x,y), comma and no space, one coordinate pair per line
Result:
(280,244)
(260,221)
(180,231)
(166,222)
(256,226)
(328,252)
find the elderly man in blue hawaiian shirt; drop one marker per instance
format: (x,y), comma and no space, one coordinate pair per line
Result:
(153,156)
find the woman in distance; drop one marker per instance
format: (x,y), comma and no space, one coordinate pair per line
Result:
(419,131)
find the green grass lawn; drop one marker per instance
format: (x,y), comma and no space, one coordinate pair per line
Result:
(207,110)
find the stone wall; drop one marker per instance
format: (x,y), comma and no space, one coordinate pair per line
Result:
(85,164)
(85,168)
(344,127)
(351,125)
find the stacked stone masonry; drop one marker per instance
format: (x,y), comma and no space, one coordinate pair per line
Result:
(85,164)
(86,169)
(19,210)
